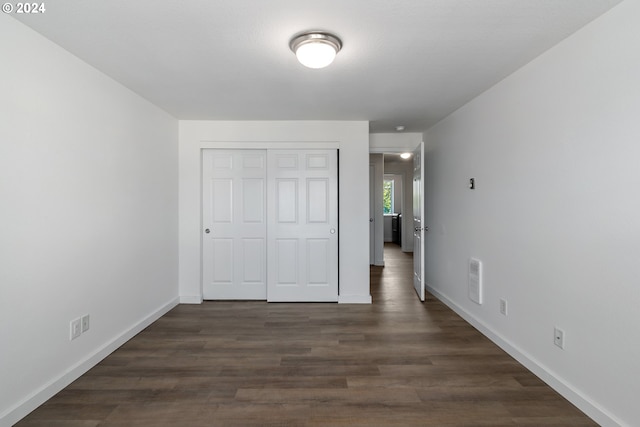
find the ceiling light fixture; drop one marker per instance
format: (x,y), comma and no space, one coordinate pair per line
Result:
(399,128)
(405,155)
(315,49)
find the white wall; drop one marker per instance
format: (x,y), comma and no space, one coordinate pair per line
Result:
(88,222)
(351,138)
(394,142)
(555,150)
(387,235)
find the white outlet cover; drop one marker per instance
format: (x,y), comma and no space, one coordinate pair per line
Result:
(503,306)
(75,329)
(85,323)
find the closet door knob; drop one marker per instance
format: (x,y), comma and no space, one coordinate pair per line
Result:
(207,231)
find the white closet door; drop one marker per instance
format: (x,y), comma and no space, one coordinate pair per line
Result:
(418,218)
(302,216)
(234,224)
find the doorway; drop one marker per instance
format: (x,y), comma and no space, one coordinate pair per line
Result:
(397,192)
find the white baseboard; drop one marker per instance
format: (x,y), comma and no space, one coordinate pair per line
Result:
(190,299)
(599,415)
(22,409)
(354,299)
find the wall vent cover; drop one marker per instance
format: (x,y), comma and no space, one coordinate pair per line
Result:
(475,280)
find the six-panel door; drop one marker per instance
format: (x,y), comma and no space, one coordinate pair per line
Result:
(302,219)
(234,224)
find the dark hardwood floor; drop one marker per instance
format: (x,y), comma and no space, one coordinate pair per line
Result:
(397,362)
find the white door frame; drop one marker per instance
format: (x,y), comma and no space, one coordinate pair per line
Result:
(407,220)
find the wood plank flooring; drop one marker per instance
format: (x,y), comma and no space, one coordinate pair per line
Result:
(397,362)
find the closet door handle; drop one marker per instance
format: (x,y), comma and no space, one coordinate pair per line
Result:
(207,231)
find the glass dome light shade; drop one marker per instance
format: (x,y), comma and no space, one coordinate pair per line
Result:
(315,49)
(316,54)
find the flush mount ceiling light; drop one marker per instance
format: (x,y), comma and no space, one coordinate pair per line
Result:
(315,49)
(405,155)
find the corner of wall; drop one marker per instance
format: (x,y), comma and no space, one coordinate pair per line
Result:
(191,299)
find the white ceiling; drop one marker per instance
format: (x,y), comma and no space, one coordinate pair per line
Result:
(404,62)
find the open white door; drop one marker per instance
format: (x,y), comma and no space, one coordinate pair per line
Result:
(418,215)
(302,219)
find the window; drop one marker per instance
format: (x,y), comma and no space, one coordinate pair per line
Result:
(387,196)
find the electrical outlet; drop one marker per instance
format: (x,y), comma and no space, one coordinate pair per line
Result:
(558,337)
(503,307)
(85,323)
(76,329)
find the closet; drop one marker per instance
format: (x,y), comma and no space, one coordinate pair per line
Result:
(270,225)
